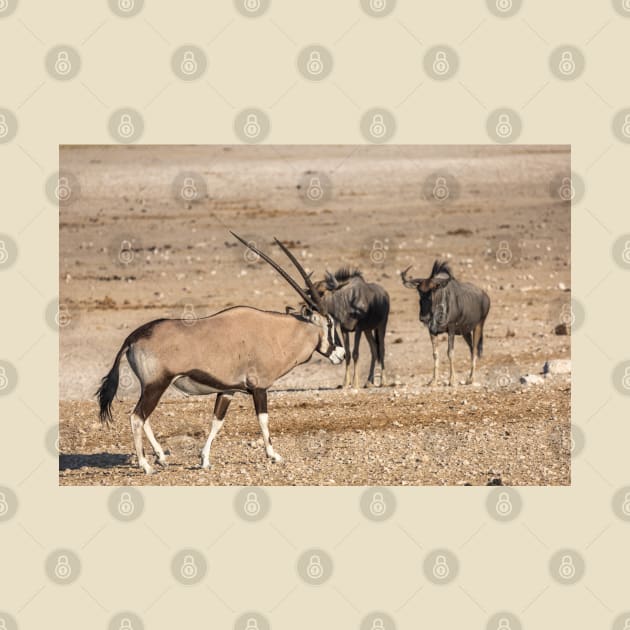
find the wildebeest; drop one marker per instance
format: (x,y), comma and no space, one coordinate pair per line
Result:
(240,349)
(360,307)
(453,307)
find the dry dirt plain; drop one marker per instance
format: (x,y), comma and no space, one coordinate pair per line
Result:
(379,209)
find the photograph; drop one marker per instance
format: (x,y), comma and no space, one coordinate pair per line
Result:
(315,315)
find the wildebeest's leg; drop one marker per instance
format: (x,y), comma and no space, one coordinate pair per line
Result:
(451,353)
(260,404)
(436,359)
(346,347)
(149,398)
(380,340)
(369,335)
(355,358)
(221,405)
(473,358)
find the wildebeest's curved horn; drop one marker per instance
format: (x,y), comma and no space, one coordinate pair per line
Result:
(410,283)
(280,270)
(307,278)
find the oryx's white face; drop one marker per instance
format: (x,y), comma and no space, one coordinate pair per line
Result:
(329,344)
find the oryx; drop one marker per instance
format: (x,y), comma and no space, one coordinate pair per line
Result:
(453,307)
(360,307)
(239,349)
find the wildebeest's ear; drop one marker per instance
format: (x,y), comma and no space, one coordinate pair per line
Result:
(439,280)
(331,281)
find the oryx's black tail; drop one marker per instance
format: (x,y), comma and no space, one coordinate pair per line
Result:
(109,387)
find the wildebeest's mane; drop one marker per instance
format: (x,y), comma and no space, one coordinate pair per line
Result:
(441,266)
(345,273)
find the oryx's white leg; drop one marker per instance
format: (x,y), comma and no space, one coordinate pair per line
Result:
(260,404)
(220,409)
(136,429)
(157,449)
(436,360)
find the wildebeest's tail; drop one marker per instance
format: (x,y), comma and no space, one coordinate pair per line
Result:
(109,387)
(480,344)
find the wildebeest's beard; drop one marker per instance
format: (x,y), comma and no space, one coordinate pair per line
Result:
(426,304)
(439,313)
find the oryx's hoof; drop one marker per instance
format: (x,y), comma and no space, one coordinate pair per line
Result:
(161,462)
(148,470)
(276,458)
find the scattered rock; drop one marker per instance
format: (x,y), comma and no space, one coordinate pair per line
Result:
(531,379)
(557,366)
(510,332)
(495,481)
(561,329)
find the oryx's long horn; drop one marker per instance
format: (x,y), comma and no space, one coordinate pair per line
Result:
(307,277)
(279,269)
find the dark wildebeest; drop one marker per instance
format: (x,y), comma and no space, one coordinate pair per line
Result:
(359,307)
(453,307)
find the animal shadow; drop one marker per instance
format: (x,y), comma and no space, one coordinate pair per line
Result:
(71,461)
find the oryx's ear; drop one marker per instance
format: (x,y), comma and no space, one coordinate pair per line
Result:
(439,280)
(306,312)
(289,309)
